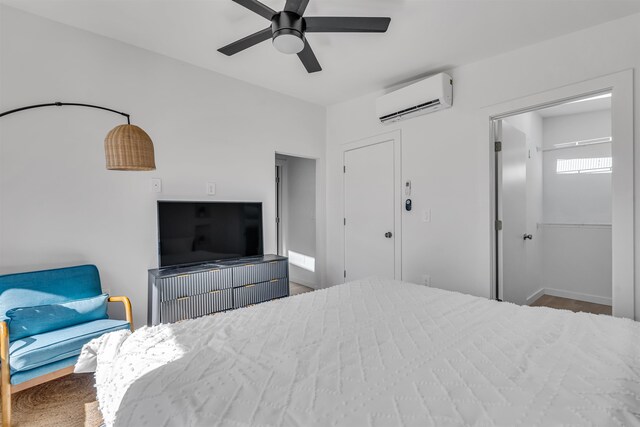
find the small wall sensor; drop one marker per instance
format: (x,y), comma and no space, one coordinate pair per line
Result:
(407,189)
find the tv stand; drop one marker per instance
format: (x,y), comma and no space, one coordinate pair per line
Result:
(179,293)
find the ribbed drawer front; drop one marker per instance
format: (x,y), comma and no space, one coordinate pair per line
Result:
(196,305)
(257,273)
(259,292)
(172,288)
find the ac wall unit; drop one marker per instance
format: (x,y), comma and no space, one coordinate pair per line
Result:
(425,96)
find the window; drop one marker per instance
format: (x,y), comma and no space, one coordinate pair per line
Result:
(588,165)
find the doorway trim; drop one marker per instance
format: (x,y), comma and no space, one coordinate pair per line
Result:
(281,206)
(396,137)
(622,181)
(281,158)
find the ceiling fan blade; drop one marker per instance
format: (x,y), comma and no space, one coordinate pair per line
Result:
(247,42)
(345,24)
(296,6)
(309,59)
(257,7)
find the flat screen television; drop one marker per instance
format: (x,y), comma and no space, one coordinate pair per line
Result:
(200,232)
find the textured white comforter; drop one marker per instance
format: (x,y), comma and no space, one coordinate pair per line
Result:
(376,353)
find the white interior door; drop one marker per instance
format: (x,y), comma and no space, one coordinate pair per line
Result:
(369,201)
(512,181)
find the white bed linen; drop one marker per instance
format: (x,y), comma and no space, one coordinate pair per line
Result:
(377,353)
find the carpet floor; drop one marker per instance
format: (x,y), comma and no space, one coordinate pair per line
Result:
(66,402)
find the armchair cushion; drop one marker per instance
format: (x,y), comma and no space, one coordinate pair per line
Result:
(28,321)
(42,349)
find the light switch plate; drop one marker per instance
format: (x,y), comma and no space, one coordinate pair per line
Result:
(156,185)
(211,188)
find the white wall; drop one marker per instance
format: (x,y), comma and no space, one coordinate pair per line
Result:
(577,259)
(58,204)
(577,262)
(300,215)
(531,125)
(576,198)
(447,155)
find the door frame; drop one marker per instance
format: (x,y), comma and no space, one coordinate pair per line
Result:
(395,137)
(281,206)
(622,181)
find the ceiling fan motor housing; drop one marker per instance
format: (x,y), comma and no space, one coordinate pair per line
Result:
(288,32)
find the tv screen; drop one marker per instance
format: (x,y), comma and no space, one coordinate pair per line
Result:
(198,232)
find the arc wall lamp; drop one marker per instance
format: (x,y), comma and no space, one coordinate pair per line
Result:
(126,147)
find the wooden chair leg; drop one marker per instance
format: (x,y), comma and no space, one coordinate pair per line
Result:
(6,405)
(5,375)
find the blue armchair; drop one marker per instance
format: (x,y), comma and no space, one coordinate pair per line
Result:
(45,319)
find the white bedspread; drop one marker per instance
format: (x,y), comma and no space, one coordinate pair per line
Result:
(377,353)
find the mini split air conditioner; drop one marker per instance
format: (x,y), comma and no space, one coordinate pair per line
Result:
(426,96)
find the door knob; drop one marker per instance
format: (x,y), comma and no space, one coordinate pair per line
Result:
(388,234)
(527,237)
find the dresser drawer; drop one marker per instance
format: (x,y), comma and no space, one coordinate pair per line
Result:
(174,287)
(196,305)
(257,273)
(260,292)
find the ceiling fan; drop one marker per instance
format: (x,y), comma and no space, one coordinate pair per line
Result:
(288,29)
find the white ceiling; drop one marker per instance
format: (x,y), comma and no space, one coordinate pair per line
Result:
(424,36)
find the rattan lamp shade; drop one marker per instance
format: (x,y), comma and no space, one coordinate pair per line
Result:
(129,148)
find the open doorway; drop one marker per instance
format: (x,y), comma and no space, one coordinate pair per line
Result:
(554,205)
(295,179)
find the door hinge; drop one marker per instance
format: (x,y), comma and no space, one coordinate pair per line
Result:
(498,146)
(345,221)
(277,180)
(277,220)
(344,169)
(498,225)
(345,274)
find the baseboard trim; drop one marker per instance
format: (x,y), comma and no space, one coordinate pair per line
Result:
(569,294)
(534,297)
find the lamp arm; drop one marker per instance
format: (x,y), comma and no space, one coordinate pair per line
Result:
(60,104)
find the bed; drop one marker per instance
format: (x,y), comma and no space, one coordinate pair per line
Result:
(374,352)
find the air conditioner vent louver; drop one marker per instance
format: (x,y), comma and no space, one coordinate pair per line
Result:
(399,114)
(425,96)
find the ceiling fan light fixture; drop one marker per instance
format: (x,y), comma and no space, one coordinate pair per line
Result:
(288,41)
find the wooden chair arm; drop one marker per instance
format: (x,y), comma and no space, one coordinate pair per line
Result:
(4,346)
(127,308)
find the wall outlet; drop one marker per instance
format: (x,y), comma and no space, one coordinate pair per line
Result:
(426,215)
(211,188)
(156,185)
(426,280)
